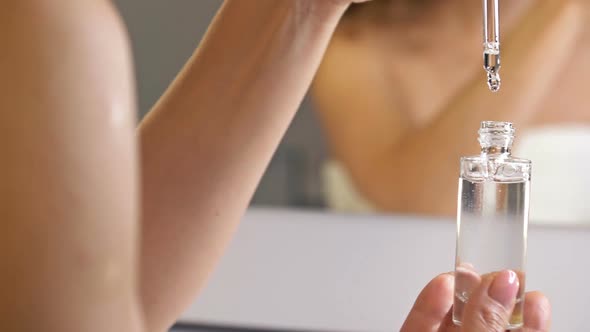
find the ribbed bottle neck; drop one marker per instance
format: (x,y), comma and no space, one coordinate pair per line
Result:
(496,137)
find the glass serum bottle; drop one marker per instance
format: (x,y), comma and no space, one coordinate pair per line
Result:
(492,216)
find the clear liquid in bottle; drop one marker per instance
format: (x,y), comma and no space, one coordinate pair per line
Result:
(492,217)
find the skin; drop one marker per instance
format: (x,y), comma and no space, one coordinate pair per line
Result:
(88,224)
(397,117)
(69,194)
(432,310)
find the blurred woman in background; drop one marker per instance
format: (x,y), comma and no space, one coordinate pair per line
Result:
(401,93)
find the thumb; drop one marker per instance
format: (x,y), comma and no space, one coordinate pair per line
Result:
(491,304)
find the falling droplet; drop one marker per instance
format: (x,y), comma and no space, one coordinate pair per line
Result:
(494,81)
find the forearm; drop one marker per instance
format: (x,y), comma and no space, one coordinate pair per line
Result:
(207,142)
(425,158)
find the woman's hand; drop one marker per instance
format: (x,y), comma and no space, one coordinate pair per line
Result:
(488,310)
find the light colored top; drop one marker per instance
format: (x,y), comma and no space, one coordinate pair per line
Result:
(560,177)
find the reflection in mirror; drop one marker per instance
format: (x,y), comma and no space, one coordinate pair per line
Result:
(380,132)
(395,133)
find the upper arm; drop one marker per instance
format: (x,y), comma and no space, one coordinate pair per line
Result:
(67,193)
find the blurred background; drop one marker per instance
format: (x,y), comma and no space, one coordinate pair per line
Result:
(374,147)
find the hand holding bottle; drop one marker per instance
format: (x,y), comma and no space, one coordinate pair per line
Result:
(488,310)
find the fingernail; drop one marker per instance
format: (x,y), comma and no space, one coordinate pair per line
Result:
(504,288)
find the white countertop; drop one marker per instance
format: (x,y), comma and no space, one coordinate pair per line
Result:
(317,271)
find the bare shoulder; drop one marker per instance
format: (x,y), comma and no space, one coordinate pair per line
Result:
(569,92)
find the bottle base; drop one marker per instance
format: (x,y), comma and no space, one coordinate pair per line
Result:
(510,327)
